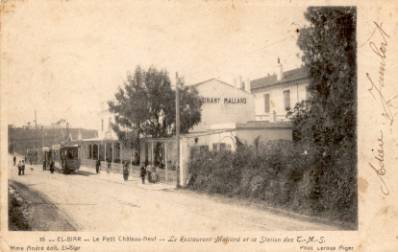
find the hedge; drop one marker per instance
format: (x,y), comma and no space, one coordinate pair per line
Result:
(279,173)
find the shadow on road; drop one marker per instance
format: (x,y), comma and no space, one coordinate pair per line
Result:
(80,172)
(84,173)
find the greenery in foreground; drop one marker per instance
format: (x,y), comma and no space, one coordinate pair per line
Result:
(278,173)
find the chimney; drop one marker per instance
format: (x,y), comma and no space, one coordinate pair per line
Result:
(247,86)
(279,70)
(241,83)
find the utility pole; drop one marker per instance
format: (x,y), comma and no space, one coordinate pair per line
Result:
(42,136)
(35,119)
(178,128)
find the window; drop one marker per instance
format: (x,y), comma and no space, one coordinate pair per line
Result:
(203,148)
(266,103)
(286,99)
(220,147)
(215,147)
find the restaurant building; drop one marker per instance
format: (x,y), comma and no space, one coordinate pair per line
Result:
(228,113)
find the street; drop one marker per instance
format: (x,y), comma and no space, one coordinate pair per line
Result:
(104,202)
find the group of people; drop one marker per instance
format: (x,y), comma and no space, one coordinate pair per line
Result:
(98,166)
(149,171)
(50,164)
(21,166)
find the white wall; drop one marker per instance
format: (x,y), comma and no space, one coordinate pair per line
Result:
(298,93)
(222,112)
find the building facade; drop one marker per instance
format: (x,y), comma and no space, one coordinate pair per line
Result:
(277,94)
(228,115)
(20,139)
(223,104)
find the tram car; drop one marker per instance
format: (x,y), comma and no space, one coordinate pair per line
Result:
(66,157)
(69,158)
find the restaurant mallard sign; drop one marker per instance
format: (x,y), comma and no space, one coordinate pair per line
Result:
(223,100)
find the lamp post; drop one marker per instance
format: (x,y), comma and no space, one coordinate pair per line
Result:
(178,128)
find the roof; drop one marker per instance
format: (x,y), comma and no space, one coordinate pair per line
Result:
(220,81)
(288,76)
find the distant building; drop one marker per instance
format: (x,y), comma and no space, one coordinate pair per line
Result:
(22,138)
(278,93)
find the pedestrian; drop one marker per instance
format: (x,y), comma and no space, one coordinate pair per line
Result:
(19,168)
(14,159)
(125,170)
(44,165)
(97,166)
(143,173)
(52,166)
(148,169)
(154,174)
(109,166)
(23,167)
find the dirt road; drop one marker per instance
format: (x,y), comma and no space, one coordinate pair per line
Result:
(104,202)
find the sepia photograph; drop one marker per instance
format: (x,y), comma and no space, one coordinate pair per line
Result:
(252,133)
(197,126)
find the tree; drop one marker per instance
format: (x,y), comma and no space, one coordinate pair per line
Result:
(327,121)
(145,106)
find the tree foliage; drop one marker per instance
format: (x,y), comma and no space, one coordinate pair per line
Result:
(326,123)
(145,106)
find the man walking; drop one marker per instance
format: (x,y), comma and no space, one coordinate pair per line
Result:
(143,173)
(52,166)
(109,165)
(19,168)
(97,166)
(125,170)
(23,167)
(14,160)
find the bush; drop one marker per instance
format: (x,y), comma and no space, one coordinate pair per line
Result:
(16,218)
(280,174)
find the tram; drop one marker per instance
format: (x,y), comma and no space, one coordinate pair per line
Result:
(65,156)
(70,158)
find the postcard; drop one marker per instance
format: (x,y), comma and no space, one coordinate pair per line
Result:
(199,125)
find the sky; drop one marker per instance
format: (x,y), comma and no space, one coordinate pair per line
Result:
(65,59)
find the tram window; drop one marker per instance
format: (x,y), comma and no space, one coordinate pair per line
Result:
(71,154)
